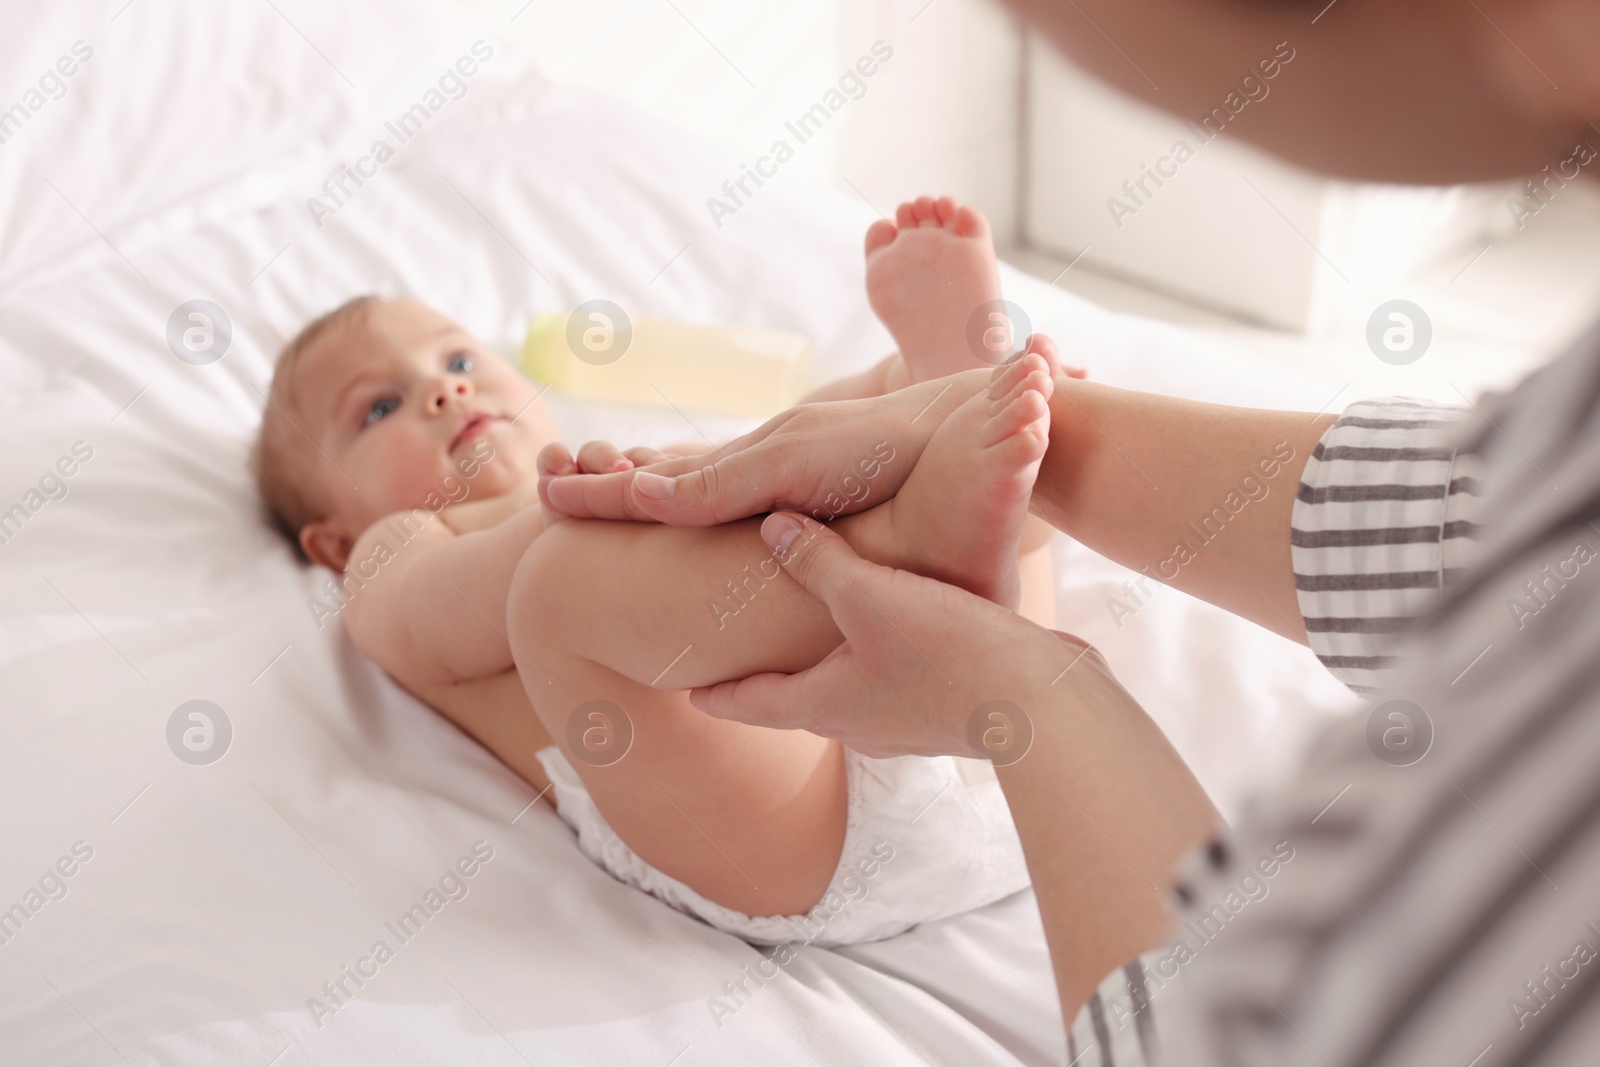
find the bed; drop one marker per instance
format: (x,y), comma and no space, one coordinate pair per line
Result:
(220,903)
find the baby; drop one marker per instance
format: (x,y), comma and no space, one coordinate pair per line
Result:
(567,647)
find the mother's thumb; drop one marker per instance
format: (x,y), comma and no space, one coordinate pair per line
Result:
(814,556)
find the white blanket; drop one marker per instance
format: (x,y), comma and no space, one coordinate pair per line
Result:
(211,908)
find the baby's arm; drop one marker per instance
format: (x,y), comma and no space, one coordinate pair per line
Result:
(431,604)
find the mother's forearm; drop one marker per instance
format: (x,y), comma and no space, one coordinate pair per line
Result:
(1106,810)
(1196,496)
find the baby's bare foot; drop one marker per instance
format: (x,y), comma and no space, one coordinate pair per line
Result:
(926,276)
(960,515)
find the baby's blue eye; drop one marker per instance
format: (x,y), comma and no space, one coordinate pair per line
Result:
(460,363)
(380,408)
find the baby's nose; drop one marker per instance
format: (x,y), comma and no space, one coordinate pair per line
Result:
(442,396)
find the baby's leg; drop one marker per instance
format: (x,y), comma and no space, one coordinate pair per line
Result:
(928,276)
(923,295)
(885,376)
(752,819)
(633,614)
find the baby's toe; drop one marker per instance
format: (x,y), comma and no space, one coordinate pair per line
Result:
(879,234)
(1045,346)
(1013,418)
(969,222)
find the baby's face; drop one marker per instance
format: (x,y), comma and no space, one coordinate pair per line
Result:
(404,403)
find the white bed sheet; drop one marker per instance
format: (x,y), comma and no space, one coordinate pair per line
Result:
(220,898)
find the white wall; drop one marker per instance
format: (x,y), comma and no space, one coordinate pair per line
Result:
(1232,227)
(1234,230)
(938,117)
(949,120)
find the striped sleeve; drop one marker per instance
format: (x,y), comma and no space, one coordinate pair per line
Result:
(1429,901)
(1117,1026)
(1122,1022)
(1384,516)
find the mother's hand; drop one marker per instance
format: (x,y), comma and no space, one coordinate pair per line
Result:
(919,662)
(796,459)
(809,459)
(1105,808)
(596,458)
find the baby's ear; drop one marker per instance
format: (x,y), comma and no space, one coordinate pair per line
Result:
(326,543)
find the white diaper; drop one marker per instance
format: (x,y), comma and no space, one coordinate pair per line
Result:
(926,838)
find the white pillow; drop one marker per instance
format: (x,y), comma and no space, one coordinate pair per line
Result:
(121,126)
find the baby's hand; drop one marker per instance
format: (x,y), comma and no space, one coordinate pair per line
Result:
(596,457)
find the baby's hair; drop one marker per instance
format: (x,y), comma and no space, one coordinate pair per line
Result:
(280,459)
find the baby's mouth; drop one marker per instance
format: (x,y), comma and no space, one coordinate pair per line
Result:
(476,424)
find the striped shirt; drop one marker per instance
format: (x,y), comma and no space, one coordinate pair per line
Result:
(1386,514)
(1428,890)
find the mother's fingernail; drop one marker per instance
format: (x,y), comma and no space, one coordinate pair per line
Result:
(779,531)
(654,486)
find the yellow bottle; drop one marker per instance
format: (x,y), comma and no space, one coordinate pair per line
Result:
(599,352)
